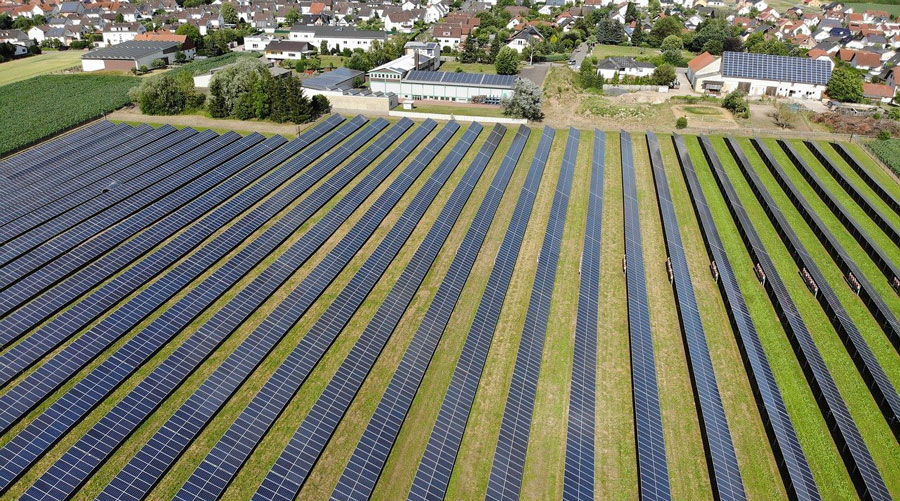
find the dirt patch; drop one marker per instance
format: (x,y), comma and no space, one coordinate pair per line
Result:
(705,116)
(865,126)
(131,114)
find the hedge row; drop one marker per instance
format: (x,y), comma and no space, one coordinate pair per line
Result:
(38,107)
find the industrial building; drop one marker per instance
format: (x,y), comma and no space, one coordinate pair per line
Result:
(760,75)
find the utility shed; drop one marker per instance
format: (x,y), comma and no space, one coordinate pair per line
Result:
(128,55)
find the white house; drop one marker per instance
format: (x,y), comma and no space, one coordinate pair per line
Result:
(524,38)
(336,36)
(257,42)
(624,66)
(760,74)
(116,33)
(287,49)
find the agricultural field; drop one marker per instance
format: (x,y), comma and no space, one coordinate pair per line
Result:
(397,309)
(50,61)
(888,151)
(889,7)
(468,67)
(76,99)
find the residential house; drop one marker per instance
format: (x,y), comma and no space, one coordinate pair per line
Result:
(524,38)
(286,49)
(880,93)
(116,33)
(449,36)
(336,37)
(620,67)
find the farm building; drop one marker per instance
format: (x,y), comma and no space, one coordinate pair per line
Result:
(128,55)
(760,74)
(388,76)
(458,87)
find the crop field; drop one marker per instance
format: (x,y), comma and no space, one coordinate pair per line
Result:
(888,151)
(48,62)
(394,309)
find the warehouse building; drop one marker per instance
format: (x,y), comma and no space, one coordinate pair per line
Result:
(389,76)
(457,87)
(128,55)
(760,75)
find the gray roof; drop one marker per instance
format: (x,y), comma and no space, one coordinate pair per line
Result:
(775,68)
(620,63)
(287,45)
(130,50)
(462,79)
(331,79)
(339,32)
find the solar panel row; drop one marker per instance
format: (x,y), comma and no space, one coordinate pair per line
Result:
(217,470)
(177,433)
(52,187)
(34,312)
(578,482)
(70,359)
(87,454)
(296,461)
(861,466)
(100,143)
(22,355)
(884,262)
(434,470)
(864,174)
(358,478)
(795,471)
(505,481)
(76,225)
(89,391)
(873,300)
(118,166)
(653,476)
(725,475)
(869,367)
(64,143)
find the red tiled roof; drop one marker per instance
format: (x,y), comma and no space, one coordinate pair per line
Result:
(701,61)
(877,90)
(868,59)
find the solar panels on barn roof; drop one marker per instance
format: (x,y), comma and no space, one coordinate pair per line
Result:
(779,68)
(466,79)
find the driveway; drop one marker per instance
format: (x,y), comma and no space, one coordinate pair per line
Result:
(579,54)
(536,73)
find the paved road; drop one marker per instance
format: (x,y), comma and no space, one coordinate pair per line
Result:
(536,73)
(579,54)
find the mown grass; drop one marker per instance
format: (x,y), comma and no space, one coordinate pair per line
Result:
(48,62)
(862,407)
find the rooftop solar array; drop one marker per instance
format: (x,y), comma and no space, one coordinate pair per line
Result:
(579,473)
(359,477)
(795,472)
(508,466)
(653,476)
(89,452)
(867,177)
(462,79)
(776,68)
(863,471)
(433,474)
(873,374)
(871,297)
(726,476)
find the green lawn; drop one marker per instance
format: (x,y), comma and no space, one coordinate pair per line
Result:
(469,67)
(450,109)
(864,6)
(48,62)
(702,110)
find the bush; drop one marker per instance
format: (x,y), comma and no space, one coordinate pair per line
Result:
(736,102)
(894,114)
(507,62)
(681,123)
(877,116)
(167,94)
(159,63)
(525,102)
(664,75)
(845,85)
(77,99)
(883,135)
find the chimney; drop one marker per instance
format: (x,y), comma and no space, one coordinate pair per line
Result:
(416,52)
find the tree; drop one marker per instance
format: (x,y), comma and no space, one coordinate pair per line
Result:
(161,95)
(664,27)
(637,36)
(845,85)
(784,116)
(470,51)
(229,14)
(292,16)
(664,74)
(654,7)
(672,43)
(320,105)
(733,44)
(180,57)
(496,45)
(120,18)
(525,101)
(631,13)
(610,32)
(587,73)
(192,32)
(6,21)
(736,102)
(22,23)
(507,62)
(323,47)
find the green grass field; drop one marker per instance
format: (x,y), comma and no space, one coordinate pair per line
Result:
(469,67)
(891,8)
(615,456)
(458,109)
(50,61)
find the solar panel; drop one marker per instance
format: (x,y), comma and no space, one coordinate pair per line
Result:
(96,385)
(796,474)
(864,174)
(776,68)
(434,470)
(726,476)
(116,164)
(32,348)
(164,448)
(508,466)
(653,476)
(63,144)
(24,253)
(578,482)
(358,478)
(862,468)
(870,369)
(293,466)
(37,310)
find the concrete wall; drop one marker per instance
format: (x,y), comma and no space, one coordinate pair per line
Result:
(92,64)
(459,118)
(356,104)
